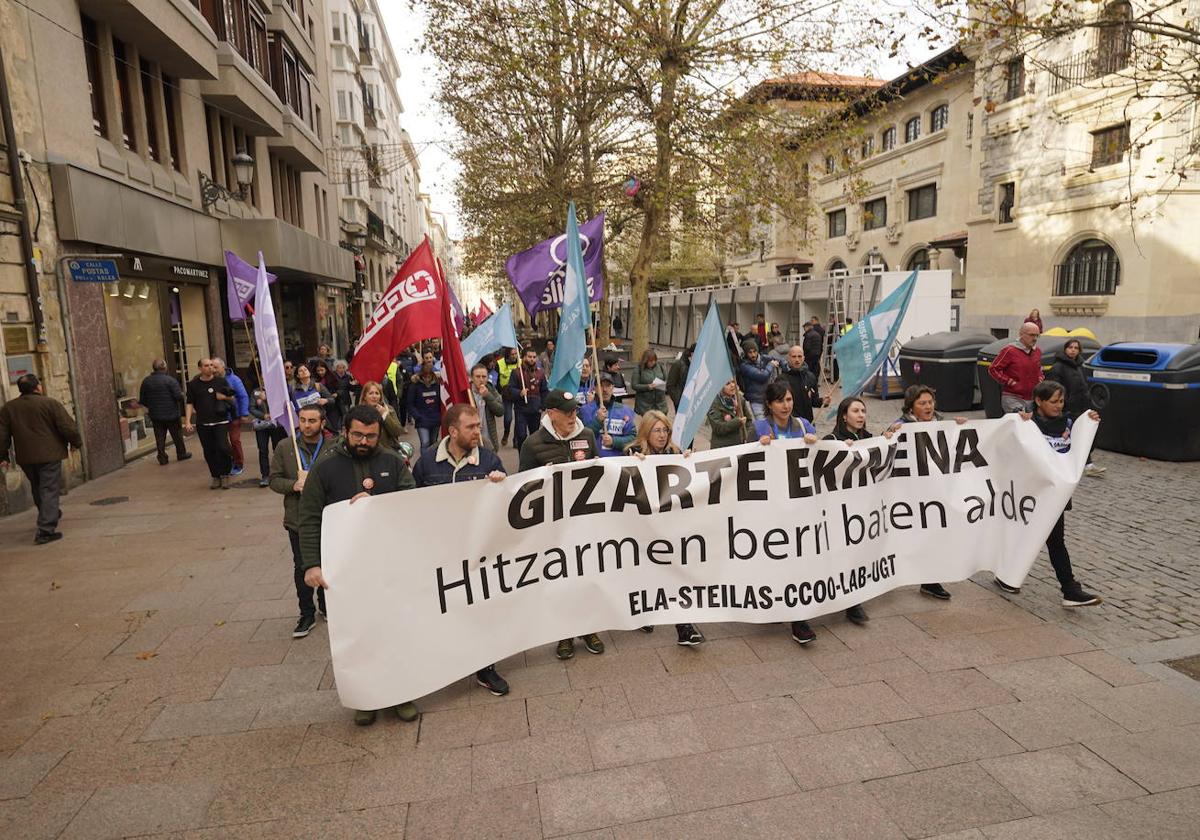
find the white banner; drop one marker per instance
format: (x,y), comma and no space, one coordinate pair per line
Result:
(430,585)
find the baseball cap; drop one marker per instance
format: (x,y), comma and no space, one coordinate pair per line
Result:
(606,377)
(562,400)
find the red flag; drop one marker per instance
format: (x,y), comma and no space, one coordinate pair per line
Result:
(408,313)
(456,382)
(483,311)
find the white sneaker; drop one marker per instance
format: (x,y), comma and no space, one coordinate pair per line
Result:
(1094,469)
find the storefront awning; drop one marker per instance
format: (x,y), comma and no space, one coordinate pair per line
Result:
(290,253)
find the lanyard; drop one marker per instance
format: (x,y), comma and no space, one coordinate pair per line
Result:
(316,452)
(777,435)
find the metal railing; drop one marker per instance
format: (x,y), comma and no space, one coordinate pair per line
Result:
(1090,64)
(1099,276)
(813,285)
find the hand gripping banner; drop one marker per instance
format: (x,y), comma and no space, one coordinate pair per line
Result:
(749,533)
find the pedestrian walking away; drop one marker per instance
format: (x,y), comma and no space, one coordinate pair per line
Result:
(162,397)
(560,439)
(460,456)
(209,398)
(291,463)
(39,430)
(356,467)
(1049,413)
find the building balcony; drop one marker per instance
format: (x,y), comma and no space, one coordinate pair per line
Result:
(172,33)
(241,91)
(1095,63)
(298,145)
(283,19)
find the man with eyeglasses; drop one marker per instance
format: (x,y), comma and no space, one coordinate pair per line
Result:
(355,468)
(1018,369)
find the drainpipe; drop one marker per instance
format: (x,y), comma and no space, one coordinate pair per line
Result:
(18,187)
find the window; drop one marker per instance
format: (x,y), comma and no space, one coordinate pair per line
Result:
(875,214)
(1109,145)
(91,55)
(837,223)
(1008,198)
(1091,268)
(922,202)
(1014,78)
(1114,44)
(837,265)
(919,261)
(830,165)
(125,91)
(868,147)
(150,107)
(889,139)
(169,88)
(938,118)
(970,126)
(912,129)
(341,105)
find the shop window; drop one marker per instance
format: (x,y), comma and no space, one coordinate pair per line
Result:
(837,223)
(912,129)
(1109,145)
(938,118)
(922,202)
(135,338)
(875,214)
(91,55)
(1091,268)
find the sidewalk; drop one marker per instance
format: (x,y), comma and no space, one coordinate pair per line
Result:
(153,688)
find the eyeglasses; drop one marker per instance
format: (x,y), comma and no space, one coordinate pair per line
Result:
(362,437)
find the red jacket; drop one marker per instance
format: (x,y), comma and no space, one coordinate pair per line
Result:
(1018,370)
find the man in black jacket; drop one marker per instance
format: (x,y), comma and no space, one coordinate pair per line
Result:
(162,398)
(805,394)
(357,467)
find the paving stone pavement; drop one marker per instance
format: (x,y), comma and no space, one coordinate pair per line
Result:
(153,689)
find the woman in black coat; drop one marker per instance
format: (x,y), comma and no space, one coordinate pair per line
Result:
(1067,371)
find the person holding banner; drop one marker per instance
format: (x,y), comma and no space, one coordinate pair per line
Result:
(1049,402)
(560,439)
(730,424)
(611,421)
(291,463)
(654,438)
(356,467)
(649,385)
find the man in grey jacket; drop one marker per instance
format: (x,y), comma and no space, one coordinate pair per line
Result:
(488,403)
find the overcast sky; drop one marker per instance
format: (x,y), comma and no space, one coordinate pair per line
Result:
(432,133)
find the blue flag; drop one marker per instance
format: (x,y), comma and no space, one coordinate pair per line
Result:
(495,332)
(709,372)
(576,315)
(862,351)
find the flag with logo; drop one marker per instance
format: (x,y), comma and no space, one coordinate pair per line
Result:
(270,355)
(576,315)
(861,352)
(456,383)
(409,312)
(709,372)
(539,273)
(492,334)
(240,284)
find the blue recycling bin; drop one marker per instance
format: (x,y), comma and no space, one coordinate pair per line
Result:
(1148,396)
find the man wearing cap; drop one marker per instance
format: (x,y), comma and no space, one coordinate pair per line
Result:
(611,421)
(560,439)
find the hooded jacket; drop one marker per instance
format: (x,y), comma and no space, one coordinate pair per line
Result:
(546,446)
(241,400)
(339,476)
(755,376)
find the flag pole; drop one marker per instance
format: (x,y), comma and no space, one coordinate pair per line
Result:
(253,353)
(295,445)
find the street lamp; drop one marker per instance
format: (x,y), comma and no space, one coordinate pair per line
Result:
(243,171)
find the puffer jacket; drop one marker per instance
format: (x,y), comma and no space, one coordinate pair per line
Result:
(1069,373)
(162,397)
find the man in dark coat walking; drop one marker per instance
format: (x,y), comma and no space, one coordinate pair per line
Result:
(40,430)
(162,398)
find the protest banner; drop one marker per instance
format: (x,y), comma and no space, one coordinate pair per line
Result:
(748,533)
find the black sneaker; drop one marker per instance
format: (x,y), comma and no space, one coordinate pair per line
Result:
(43,538)
(1079,597)
(802,634)
(857,615)
(304,626)
(1004,587)
(493,682)
(935,590)
(649,628)
(688,635)
(184,457)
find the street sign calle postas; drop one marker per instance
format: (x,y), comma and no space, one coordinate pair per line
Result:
(93,271)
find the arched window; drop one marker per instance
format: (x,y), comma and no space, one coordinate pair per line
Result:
(1091,268)
(837,265)
(1114,45)
(938,118)
(912,129)
(889,139)
(919,260)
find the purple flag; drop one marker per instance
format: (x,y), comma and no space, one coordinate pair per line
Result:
(240,279)
(538,273)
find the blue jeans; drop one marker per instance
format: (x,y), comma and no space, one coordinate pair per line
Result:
(427,436)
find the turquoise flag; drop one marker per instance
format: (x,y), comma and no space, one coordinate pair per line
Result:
(576,315)
(709,372)
(494,332)
(862,351)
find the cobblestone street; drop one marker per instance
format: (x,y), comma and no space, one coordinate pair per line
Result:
(153,689)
